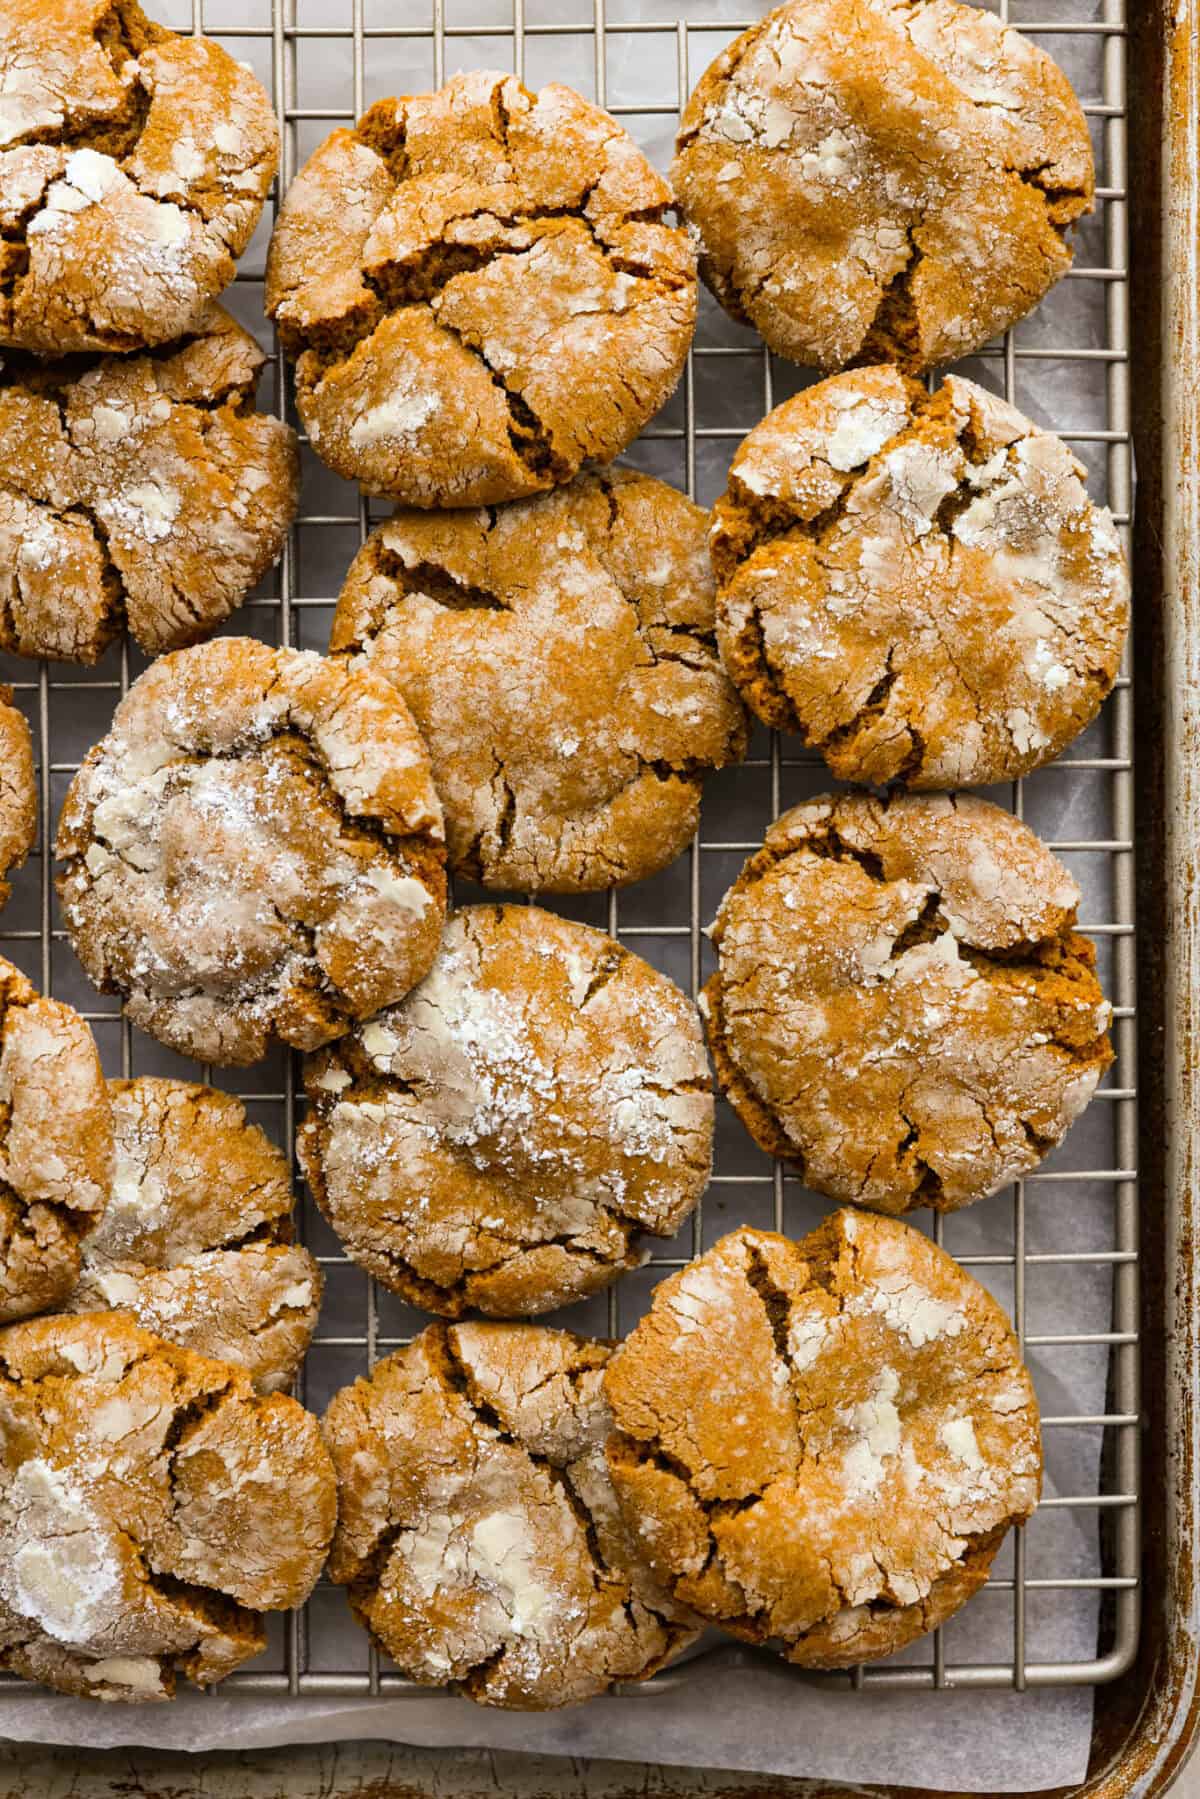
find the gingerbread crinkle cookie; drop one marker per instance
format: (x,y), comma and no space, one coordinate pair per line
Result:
(882,180)
(559,656)
(903,1007)
(478,1534)
(138,491)
(820,1444)
(481,291)
(18,790)
(56,1146)
(916,584)
(501,1138)
(254,851)
(133,168)
(152,1507)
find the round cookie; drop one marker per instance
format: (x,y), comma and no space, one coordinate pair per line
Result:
(140,490)
(196,1241)
(821,1444)
(152,1506)
(878,180)
(254,851)
(903,1008)
(559,656)
(480,291)
(499,1138)
(477,1529)
(18,789)
(917,584)
(133,169)
(56,1146)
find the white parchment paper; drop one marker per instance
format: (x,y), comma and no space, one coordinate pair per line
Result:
(731,1708)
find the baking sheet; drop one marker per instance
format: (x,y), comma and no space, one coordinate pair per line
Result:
(733,1708)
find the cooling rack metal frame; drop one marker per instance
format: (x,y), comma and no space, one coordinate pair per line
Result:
(1161,34)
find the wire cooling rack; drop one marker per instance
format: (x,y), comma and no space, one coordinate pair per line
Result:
(1058,1249)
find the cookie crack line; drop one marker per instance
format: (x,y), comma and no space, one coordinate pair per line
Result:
(1029,956)
(116,610)
(604,1575)
(421,277)
(119,132)
(771,518)
(531,441)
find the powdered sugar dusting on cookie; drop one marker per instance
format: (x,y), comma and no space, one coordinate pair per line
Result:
(497,1138)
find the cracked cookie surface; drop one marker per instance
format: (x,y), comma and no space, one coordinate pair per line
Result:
(903,1008)
(196,1241)
(481,292)
(133,169)
(152,1506)
(478,1532)
(559,656)
(877,180)
(137,490)
(821,1444)
(56,1146)
(254,851)
(499,1138)
(18,790)
(918,585)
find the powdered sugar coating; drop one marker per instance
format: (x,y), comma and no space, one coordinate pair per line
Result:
(821,1444)
(501,1137)
(133,168)
(902,1007)
(918,585)
(478,1533)
(873,180)
(143,490)
(196,1239)
(559,657)
(56,1147)
(242,851)
(481,292)
(151,1506)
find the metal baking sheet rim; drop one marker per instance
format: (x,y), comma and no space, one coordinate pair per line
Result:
(1150,1718)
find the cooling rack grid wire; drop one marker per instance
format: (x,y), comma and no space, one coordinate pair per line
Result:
(1059,1249)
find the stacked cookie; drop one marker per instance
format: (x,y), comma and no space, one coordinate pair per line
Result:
(534,664)
(141,489)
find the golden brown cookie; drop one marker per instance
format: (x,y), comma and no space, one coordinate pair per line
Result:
(152,1506)
(821,1444)
(560,659)
(499,1138)
(877,180)
(480,291)
(917,584)
(903,1008)
(477,1530)
(140,490)
(56,1146)
(18,788)
(196,1241)
(254,850)
(133,169)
